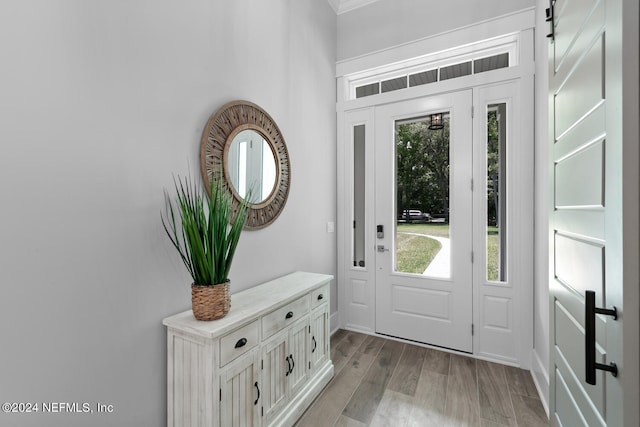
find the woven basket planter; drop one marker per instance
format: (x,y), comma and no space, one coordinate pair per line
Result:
(210,302)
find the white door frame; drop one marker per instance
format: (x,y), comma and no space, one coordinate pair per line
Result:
(356,290)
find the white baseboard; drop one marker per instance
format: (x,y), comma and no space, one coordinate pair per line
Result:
(540,379)
(334,323)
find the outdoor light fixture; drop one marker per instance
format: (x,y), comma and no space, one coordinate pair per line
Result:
(436,121)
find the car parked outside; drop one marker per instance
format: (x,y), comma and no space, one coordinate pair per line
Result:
(414,215)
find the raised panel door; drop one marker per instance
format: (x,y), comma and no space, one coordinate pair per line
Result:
(432,135)
(586,222)
(275,365)
(319,337)
(298,355)
(240,392)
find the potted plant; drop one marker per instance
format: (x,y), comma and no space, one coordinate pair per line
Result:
(206,239)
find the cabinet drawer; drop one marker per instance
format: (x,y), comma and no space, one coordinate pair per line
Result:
(319,296)
(285,315)
(238,342)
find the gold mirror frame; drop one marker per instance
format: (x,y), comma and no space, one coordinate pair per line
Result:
(217,137)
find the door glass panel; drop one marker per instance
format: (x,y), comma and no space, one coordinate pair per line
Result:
(496,253)
(357,193)
(422,196)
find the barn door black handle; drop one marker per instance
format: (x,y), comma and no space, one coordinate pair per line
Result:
(590,311)
(315,344)
(288,368)
(550,15)
(257,398)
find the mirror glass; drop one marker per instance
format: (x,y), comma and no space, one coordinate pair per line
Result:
(244,143)
(251,165)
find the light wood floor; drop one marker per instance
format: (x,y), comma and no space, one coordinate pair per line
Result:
(380,382)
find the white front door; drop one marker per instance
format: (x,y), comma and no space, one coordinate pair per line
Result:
(586,224)
(425,211)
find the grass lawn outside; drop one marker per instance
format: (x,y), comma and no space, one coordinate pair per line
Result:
(492,253)
(415,253)
(439,229)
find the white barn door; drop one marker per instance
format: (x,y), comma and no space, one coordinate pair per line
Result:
(587,231)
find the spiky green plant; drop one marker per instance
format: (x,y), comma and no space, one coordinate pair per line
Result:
(208,235)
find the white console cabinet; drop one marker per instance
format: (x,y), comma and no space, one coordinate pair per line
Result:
(261,365)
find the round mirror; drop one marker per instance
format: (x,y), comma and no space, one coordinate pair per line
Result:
(251,166)
(244,143)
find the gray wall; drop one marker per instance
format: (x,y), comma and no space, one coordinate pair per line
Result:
(100,103)
(388,23)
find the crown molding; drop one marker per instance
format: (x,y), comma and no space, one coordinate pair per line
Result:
(342,6)
(335,5)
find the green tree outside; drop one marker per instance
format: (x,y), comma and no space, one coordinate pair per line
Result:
(422,182)
(422,168)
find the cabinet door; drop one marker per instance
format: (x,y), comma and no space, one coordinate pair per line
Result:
(240,392)
(275,368)
(319,337)
(299,355)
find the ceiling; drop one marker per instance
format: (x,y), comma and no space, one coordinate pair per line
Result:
(342,6)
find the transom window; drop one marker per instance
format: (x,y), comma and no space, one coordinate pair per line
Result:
(481,57)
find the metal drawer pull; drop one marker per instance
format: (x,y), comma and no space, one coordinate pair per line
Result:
(315,344)
(289,315)
(590,311)
(289,367)
(241,342)
(257,398)
(293,362)
(320,297)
